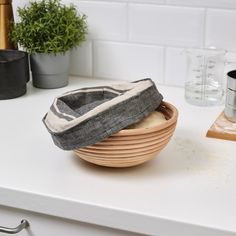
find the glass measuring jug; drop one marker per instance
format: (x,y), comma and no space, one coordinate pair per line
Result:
(204,85)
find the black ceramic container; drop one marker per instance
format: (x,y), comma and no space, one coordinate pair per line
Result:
(14,73)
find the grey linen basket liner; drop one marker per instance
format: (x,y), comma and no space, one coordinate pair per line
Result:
(86,116)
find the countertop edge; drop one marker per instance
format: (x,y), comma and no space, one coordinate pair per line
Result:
(103,216)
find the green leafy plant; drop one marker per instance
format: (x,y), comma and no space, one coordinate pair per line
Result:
(47,26)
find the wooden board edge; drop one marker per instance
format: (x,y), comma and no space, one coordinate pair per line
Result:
(218,135)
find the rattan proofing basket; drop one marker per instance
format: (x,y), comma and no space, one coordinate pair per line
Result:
(131,147)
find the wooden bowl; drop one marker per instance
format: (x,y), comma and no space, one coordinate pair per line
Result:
(130,147)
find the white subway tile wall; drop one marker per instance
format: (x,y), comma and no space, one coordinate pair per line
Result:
(106,20)
(81,60)
(219,29)
(175,66)
(225,4)
(129,61)
(166,25)
(134,39)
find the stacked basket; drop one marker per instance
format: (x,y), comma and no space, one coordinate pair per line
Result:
(131,147)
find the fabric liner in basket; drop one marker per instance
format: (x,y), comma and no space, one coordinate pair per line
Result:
(86,116)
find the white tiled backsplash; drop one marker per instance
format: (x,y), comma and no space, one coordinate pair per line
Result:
(133,39)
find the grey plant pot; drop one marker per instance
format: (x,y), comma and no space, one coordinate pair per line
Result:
(50,70)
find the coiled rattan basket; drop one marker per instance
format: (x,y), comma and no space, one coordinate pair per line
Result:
(131,147)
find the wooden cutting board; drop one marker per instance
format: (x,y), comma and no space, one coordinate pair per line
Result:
(222,129)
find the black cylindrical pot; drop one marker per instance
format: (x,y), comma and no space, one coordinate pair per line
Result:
(14,73)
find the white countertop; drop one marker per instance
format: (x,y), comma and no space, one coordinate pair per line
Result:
(189,188)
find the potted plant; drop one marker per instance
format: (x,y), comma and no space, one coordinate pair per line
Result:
(48,30)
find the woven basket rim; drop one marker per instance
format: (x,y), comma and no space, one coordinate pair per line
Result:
(164,125)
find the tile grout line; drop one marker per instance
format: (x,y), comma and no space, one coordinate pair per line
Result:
(138,43)
(164,3)
(204,28)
